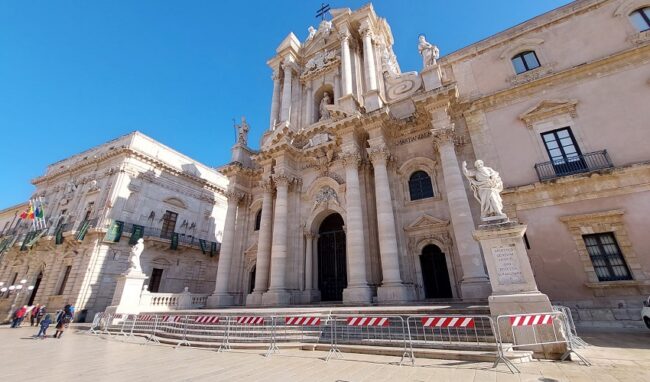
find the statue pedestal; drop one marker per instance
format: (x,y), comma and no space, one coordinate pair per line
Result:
(348,103)
(126,299)
(432,77)
(372,100)
(514,290)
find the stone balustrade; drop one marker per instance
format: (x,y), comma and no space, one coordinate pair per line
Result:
(162,302)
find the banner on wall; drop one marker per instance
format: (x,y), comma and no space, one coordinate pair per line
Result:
(114,232)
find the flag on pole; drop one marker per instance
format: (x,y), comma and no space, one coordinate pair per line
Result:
(30,211)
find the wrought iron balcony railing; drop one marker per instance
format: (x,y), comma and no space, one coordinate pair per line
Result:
(577,164)
(187,238)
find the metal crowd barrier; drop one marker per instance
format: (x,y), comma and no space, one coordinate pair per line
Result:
(573,333)
(528,330)
(372,330)
(426,331)
(95,325)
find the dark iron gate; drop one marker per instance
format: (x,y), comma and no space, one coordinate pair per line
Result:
(332,270)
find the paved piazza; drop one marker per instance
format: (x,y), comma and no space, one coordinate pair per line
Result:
(618,356)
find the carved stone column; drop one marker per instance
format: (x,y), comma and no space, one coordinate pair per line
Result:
(371,98)
(346,66)
(357,290)
(277,294)
(475,283)
(221,297)
(309,109)
(391,288)
(285,109)
(263,262)
(275,101)
(309,246)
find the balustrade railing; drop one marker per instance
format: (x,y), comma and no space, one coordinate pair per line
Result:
(577,164)
(161,302)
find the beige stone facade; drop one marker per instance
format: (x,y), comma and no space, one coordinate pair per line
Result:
(134,181)
(585,88)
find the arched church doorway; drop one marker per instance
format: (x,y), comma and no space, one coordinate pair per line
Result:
(35,290)
(435,274)
(332,270)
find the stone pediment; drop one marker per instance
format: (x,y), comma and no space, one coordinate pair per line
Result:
(427,223)
(547,109)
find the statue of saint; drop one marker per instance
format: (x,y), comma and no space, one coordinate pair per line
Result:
(312,33)
(486,185)
(429,52)
(242,132)
(324,113)
(134,258)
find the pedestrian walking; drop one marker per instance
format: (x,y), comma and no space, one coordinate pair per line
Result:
(41,313)
(33,315)
(62,322)
(19,315)
(45,323)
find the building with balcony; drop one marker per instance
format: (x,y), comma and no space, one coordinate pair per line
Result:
(97,205)
(357,196)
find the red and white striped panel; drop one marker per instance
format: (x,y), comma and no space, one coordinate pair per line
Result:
(304,321)
(368,321)
(532,319)
(171,318)
(448,322)
(146,317)
(250,320)
(206,319)
(117,316)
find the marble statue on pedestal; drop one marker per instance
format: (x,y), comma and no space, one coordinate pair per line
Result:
(486,185)
(134,258)
(312,32)
(242,132)
(429,52)
(324,113)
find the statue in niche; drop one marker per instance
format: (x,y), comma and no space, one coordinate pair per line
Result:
(242,132)
(429,52)
(134,258)
(486,185)
(70,187)
(312,33)
(324,113)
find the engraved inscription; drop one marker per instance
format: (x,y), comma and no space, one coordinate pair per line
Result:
(507,265)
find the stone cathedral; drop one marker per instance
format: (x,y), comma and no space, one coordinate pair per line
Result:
(357,193)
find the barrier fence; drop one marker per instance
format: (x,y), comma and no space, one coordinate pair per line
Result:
(345,331)
(573,333)
(534,330)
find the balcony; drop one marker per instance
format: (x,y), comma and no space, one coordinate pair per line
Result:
(186,238)
(597,160)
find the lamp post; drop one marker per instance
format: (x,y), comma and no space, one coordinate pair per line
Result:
(18,288)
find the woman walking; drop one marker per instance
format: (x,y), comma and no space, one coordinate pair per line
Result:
(61,323)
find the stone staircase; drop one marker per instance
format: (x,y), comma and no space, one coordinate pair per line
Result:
(476,345)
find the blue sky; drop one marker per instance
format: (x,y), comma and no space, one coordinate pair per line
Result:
(74,74)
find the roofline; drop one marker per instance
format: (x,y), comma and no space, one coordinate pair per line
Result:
(517,30)
(15,206)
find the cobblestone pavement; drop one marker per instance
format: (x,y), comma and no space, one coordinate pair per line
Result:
(616,356)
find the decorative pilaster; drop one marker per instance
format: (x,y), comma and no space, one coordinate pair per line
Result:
(221,297)
(371,98)
(263,262)
(346,67)
(309,110)
(357,290)
(309,247)
(277,294)
(391,288)
(285,109)
(275,101)
(475,283)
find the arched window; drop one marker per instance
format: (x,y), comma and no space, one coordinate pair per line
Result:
(420,186)
(525,61)
(258,220)
(641,19)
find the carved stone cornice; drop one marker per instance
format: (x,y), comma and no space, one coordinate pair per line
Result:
(547,109)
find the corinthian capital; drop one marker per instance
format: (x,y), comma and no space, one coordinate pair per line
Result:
(351,159)
(365,29)
(266,186)
(442,135)
(234,195)
(344,35)
(379,154)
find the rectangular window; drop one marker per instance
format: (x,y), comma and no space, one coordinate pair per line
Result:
(65,279)
(606,257)
(563,151)
(154,282)
(169,224)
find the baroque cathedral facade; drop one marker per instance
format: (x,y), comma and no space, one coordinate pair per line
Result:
(357,193)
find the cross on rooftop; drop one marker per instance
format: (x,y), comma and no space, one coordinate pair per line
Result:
(324,8)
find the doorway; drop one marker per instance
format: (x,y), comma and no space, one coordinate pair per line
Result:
(154,282)
(251,280)
(435,275)
(332,269)
(32,297)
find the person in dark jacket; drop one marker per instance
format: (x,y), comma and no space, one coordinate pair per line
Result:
(41,313)
(45,323)
(62,322)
